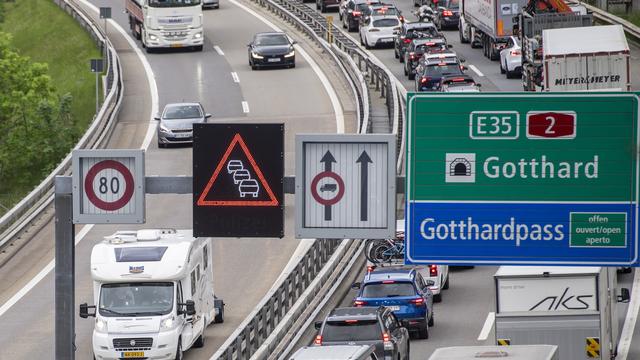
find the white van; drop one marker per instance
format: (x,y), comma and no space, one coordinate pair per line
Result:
(153,291)
(335,352)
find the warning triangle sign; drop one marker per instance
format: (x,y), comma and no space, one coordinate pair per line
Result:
(241,173)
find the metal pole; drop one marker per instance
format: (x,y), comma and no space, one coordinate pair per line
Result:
(64,271)
(97,93)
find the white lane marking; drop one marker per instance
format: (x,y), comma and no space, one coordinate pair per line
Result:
(151,129)
(36,279)
(475,70)
(235,77)
(245,107)
(333,97)
(218,50)
(488,325)
(630,321)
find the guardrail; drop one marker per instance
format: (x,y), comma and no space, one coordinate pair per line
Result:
(272,316)
(599,14)
(22,214)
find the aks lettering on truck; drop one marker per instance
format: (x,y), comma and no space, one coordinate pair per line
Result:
(537,179)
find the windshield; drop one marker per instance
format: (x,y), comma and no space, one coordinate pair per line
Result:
(182,112)
(382,290)
(385,22)
(136,299)
(266,40)
(351,330)
(173,3)
(439,70)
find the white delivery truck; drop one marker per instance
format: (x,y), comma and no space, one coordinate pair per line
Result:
(586,59)
(574,308)
(488,24)
(515,352)
(153,293)
(166,23)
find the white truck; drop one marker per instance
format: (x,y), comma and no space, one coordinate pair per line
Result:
(166,23)
(514,352)
(488,24)
(153,291)
(585,59)
(574,308)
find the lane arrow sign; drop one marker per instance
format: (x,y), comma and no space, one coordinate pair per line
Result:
(327,159)
(364,161)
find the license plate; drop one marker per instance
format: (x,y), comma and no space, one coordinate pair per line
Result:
(394,308)
(176,45)
(183,135)
(274,60)
(386,40)
(132,354)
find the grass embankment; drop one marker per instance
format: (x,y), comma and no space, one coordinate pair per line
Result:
(47,34)
(633,17)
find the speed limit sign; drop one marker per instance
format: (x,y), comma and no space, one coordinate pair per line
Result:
(108,186)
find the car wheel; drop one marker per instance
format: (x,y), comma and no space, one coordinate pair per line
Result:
(199,343)
(179,350)
(446,283)
(161,145)
(292,66)
(219,319)
(317,6)
(437,298)
(253,67)
(395,53)
(408,352)
(411,75)
(198,48)
(361,42)
(502,71)
(431,321)
(401,55)
(423,331)
(344,26)
(406,73)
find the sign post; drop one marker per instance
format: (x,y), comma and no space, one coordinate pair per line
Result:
(345,186)
(97,67)
(523,179)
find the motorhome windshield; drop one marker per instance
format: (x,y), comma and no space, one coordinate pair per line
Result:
(173,3)
(136,299)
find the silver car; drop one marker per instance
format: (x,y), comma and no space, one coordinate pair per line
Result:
(176,123)
(211,3)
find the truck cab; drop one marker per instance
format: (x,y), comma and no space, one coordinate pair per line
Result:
(153,294)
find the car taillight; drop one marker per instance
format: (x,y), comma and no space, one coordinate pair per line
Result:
(370,268)
(447,13)
(515,52)
(356,13)
(386,340)
(424,80)
(386,337)
(318,340)
(407,41)
(418,301)
(433,270)
(388,282)
(358,303)
(412,55)
(401,18)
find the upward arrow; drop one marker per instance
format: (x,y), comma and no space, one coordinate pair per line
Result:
(364,161)
(327,159)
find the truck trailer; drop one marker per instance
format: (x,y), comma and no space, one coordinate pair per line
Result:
(574,308)
(153,294)
(166,23)
(488,24)
(514,352)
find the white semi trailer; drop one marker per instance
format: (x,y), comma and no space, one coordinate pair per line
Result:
(153,294)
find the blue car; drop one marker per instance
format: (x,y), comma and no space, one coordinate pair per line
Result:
(403,291)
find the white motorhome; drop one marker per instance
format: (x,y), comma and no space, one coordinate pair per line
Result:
(153,293)
(574,308)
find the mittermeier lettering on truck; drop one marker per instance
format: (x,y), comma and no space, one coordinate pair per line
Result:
(602,79)
(522,179)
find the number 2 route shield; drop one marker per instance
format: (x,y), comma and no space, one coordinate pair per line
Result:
(535,179)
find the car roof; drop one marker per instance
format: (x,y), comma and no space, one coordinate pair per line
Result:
(182,104)
(419,24)
(362,312)
(271,33)
(357,2)
(442,55)
(435,40)
(398,274)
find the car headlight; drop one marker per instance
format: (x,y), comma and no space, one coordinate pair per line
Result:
(101,325)
(256,56)
(197,35)
(291,54)
(164,128)
(167,323)
(153,37)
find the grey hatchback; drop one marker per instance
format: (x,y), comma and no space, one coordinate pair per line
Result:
(176,123)
(367,325)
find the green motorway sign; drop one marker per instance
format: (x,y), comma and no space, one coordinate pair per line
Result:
(553,174)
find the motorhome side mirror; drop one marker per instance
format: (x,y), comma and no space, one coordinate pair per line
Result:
(190,307)
(157,118)
(317,325)
(624,296)
(355,286)
(84,310)
(430,282)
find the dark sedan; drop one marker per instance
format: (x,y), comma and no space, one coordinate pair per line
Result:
(176,123)
(417,48)
(410,31)
(448,14)
(273,49)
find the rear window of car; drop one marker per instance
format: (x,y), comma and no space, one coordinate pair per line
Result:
(385,11)
(351,330)
(385,22)
(382,290)
(447,69)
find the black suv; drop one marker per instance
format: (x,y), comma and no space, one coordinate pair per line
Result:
(419,47)
(410,31)
(366,325)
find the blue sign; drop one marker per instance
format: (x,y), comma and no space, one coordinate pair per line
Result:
(521,233)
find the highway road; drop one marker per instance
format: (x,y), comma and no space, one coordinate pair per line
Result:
(461,316)
(244,269)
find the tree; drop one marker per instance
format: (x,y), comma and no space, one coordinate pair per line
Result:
(36,126)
